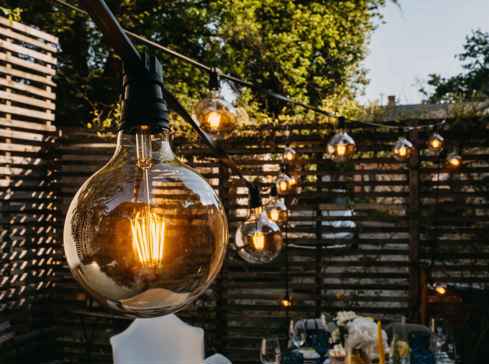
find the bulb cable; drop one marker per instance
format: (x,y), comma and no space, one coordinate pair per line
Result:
(253,86)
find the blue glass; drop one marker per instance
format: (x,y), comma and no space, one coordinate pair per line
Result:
(293,357)
(319,340)
(420,349)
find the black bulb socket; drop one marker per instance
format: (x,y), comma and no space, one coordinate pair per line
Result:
(143,100)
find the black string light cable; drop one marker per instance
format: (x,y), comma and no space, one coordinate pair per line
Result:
(253,86)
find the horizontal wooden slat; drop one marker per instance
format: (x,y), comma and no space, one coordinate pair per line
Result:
(32,32)
(9,46)
(16,61)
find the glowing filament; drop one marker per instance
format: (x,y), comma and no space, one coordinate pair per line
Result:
(214,120)
(441,290)
(148,238)
(435,144)
(286,303)
(283,186)
(274,214)
(341,149)
(454,161)
(402,151)
(258,241)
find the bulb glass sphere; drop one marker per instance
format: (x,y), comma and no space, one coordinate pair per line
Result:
(440,288)
(453,161)
(258,240)
(277,210)
(286,302)
(436,142)
(289,155)
(341,147)
(145,235)
(285,184)
(403,149)
(216,116)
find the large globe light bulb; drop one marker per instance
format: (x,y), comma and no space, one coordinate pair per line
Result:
(145,235)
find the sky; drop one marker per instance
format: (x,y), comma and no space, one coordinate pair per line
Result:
(419,38)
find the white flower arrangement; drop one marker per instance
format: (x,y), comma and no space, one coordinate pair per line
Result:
(343,317)
(361,332)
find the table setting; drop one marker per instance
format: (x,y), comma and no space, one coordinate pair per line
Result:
(348,338)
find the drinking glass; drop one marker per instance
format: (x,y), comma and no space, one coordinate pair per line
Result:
(270,351)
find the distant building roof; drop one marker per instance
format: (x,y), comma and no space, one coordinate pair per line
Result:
(392,111)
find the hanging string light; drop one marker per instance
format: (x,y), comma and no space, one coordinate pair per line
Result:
(453,161)
(286,302)
(435,142)
(215,115)
(238,81)
(341,147)
(403,149)
(258,240)
(289,155)
(439,288)
(284,184)
(276,209)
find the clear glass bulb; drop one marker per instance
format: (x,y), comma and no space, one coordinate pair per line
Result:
(435,142)
(289,155)
(341,147)
(453,161)
(145,235)
(277,210)
(216,116)
(403,149)
(284,184)
(258,240)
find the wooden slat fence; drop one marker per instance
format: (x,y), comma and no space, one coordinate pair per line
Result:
(405,217)
(403,213)
(27,189)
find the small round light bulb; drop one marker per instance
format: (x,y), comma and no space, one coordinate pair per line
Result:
(436,142)
(258,240)
(341,147)
(277,210)
(284,184)
(286,302)
(215,115)
(453,161)
(403,149)
(289,155)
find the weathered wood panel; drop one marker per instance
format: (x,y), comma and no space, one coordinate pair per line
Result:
(393,205)
(27,189)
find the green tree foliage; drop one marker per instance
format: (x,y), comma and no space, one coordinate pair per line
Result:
(470,85)
(310,50)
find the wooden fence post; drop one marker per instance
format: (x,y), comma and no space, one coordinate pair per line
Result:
(413,220)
